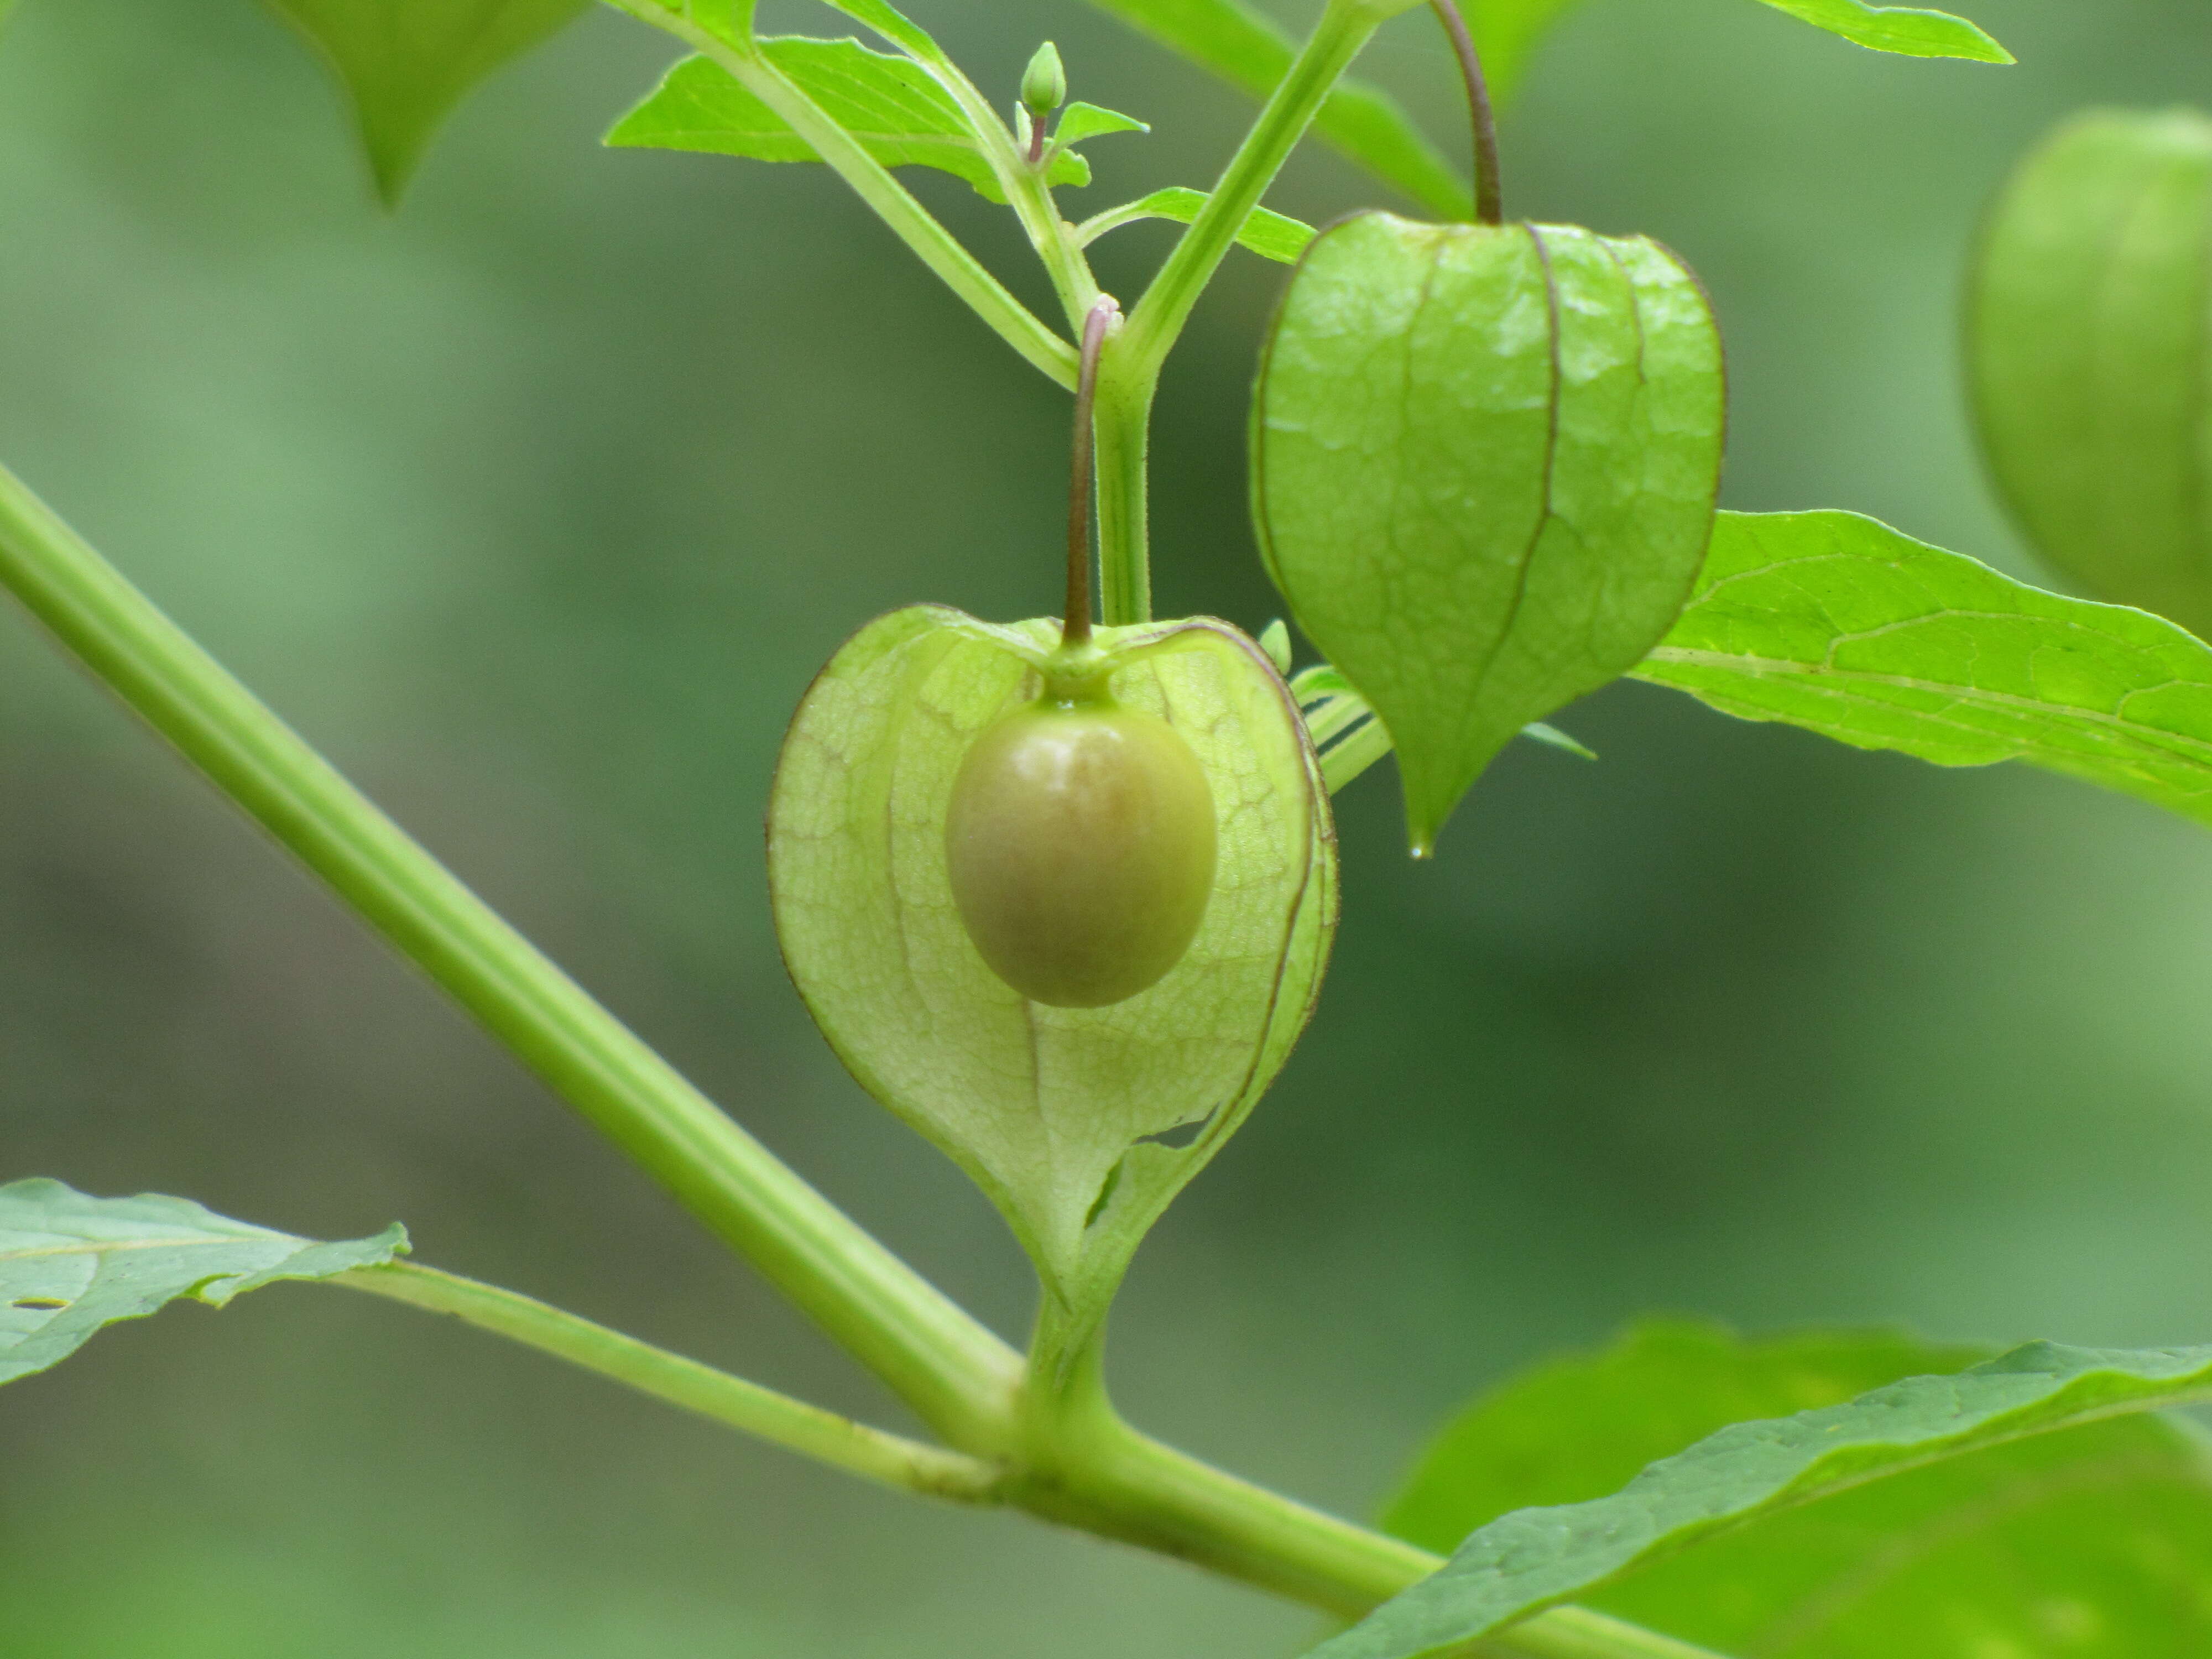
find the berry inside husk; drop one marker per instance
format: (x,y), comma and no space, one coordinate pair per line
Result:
(1080,843)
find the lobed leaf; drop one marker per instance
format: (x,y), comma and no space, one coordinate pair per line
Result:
(1271,235)
(1841,625)
(1903,29)
(1248,51)
(70,1264)
(1484,460)
(1534,1558)
(406,64)
(2089,343)
(893,105)
(2090,1540)
(1056,1113)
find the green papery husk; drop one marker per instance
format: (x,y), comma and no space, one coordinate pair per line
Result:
(1052,1111)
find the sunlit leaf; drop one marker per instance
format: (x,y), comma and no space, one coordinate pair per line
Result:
(898,111)
(1903,29)
(1484,460)
(1839,624)
(2093,1540)
(2090,345)
(1271,235)
(896,26)
(1056,1112)
(1249,51)
(70,1264)
(1533,1558)
(407,64)
(1080,121)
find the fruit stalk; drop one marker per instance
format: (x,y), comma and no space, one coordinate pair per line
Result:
(1082,473)
(1489,192)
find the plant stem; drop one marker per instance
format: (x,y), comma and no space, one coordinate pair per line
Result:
(1159,317)
(1107,1478)
(934,244)
(1122,419)
(889,1459)
(961,1379)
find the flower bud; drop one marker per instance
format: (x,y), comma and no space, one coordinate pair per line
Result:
(1044,83)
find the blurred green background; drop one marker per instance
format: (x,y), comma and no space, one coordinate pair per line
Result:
(537,505)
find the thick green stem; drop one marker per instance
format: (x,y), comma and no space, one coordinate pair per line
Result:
(889,1459)
(1159,317)
(1082,1466)
(1172,1504)
(959,269)
(1123,417)
(960,1378)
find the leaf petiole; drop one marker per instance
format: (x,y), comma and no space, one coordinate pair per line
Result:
(889,1459)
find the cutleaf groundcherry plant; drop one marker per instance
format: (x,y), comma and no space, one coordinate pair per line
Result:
(1060,891)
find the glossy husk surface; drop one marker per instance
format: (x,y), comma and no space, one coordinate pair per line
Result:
(1079,842)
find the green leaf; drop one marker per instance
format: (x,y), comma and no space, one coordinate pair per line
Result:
(2090,351)
(1839,624)
(1083,121)
(1247,49)
(892,105)
(896,26)
(1271,235)
(407,64)
(70,1264)
(1484,460)
(1898,28)
(1531,1559)
(1056,1113)
(2087,1542)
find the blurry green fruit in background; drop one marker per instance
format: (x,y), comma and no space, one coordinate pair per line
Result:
(2090,339)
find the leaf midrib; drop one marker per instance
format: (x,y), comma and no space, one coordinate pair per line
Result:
(2178,743)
